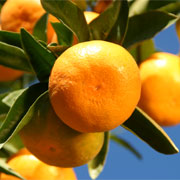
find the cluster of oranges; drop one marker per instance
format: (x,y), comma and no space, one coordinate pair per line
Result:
(94,87)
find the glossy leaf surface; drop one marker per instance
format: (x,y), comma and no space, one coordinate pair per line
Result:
(149,131)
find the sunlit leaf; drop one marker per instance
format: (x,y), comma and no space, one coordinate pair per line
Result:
(138,7)
(126,145)
(150,132)
(146,26)
(18,110)
(69,14)
(11,97)
(40,29)
(96,165)
(40,57)
(14,57)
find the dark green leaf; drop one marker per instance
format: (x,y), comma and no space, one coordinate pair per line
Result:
(32,110)
(3,107)
(40,29)
(40,57)
(171,8)
(118,31)
(12,38)
(96,165)
(158,4)
(11,97)
(146,26)
(14,57)
(142,50)
(18,110)
(102,25)
(6,169)
(64,35)
(149,131)
(126,145)
(70,15)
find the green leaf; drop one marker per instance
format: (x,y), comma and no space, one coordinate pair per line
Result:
(158,4)
(18,110)
(70,15)
(40,57)
(149,131)
(58,50)
(14,57)
(11,97)
(146,26)
(64,35)
(6,169)
(138,7)
(96,165)
(142,50)
(126,145)
(171,8)
(12,38)
(3,107)
(81,4)
(13,145)
(32,110)
(119,29)
(102,25)
(40,29)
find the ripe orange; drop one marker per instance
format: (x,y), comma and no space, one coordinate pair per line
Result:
(16,14)
(31,168)
(160,95)
(94,86)
(54,143)
(20,13)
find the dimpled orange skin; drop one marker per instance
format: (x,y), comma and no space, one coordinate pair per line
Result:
(31,168)
(54,143)
(20,13)
(94,86)
(160,95)
(16,14)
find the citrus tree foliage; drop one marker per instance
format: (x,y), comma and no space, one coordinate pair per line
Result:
(126,23)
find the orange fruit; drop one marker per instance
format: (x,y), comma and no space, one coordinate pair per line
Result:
(54,143)
(9,74)
(160,97)
(16,14)
(28,166)
(20,13)
(94,86)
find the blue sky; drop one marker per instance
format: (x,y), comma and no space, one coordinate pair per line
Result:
(122,164)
